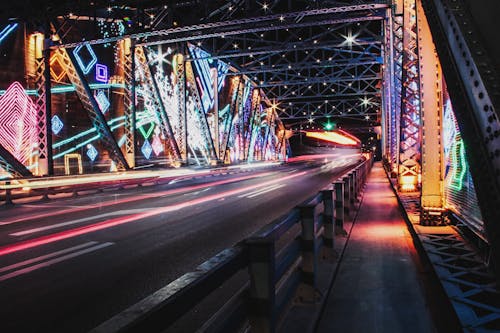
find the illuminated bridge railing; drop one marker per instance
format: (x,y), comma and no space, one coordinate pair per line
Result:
(281,262)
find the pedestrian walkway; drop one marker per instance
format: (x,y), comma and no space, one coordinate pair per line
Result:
(377,287)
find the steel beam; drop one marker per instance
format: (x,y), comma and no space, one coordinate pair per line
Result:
(409,146)
(11,165)
(472,84)
(431,96)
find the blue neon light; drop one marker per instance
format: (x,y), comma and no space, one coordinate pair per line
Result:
(147,149)
(7,30)
(103,101)
(57,124)
(86,68)
(204,78)
(91,152)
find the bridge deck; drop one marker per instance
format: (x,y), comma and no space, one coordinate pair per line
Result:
(378,287)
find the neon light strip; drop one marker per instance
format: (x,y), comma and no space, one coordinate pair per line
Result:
(7,30)
(457,178)
(65,89)
(84,143)
(79,135)
(132,218)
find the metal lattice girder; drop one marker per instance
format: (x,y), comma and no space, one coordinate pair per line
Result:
(180,76)
(254,123)
(128,64)
(342,108)
(397,84)
(77,78)
(11,165)
(360,13)
(409,145)
(387,88)
(232,131)
(154,101)
(199,112)
(472,83)
(431,91)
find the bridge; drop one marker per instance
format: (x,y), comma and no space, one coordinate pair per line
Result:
(238,165)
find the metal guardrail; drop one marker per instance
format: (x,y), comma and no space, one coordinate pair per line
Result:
(274,277)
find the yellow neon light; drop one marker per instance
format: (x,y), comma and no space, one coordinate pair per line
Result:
(332,137)
(67,157)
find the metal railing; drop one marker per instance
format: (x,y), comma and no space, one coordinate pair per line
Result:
(275,276)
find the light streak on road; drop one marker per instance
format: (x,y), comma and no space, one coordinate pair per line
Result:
(31,243)
(135,198)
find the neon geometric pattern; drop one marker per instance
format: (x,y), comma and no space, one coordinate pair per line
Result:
(157,145)
(102,101)
(101,73)
(146,133)
(57,124)
(147,149)
(18,133)
(57,68)
(91,152)
(86,67)
(7,30)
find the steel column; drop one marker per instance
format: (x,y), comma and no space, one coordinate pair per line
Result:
(409,147)
(432,114)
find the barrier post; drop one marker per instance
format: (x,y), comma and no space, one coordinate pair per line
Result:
(339,207)
(8,194)
(328,224)
(262,298)
(309,265)
(347,196)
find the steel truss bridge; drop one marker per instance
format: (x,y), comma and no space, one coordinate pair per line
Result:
(227,81)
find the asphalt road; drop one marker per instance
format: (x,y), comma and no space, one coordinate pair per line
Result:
(68,264)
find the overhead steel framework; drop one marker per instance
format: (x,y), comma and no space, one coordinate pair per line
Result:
(292,54)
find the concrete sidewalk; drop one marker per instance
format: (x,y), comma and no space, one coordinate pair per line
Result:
(377,288)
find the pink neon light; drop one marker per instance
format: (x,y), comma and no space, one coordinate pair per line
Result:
(131,218)
(18,132)
(136,198)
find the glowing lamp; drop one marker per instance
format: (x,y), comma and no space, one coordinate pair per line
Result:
(408,183)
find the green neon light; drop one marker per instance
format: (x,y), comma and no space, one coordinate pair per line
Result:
(84,143)
(457,177)
(79,135)
(146,134)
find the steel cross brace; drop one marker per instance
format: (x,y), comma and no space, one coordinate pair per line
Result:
(77,78)
(172,34)
(156,102)
(200,115)
(11,165)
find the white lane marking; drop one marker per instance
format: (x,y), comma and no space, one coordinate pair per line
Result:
(54,261)
(258,191)
(197,192)
(262,192)
(85,219)
(47,256)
